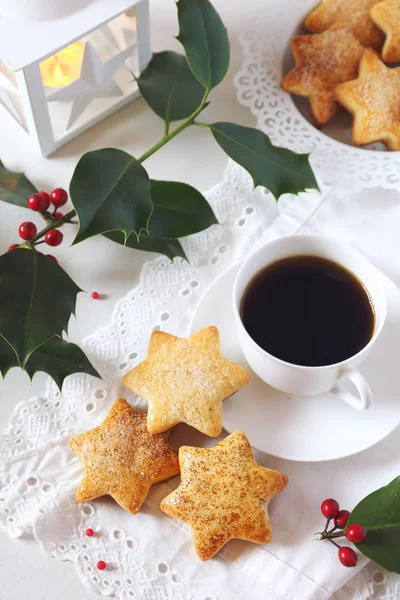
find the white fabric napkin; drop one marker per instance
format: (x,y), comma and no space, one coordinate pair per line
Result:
(152,556)
(306,569)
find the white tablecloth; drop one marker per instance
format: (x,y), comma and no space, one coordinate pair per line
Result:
(367,220)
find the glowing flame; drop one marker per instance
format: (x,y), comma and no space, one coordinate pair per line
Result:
(64,67)
(60,72)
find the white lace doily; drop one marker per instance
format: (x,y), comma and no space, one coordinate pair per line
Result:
(266,60)
(39,474)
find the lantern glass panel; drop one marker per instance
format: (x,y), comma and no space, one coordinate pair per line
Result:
(115,36)
(9,94)
(101,65)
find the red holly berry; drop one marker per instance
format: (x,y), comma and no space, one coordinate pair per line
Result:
(27,230)
(356,533)
(35,202)
(59,197)
(52,257)
(342,518)
(330,508)
(13,246)
(45,200)
(95,295)
(59,215)
(54,237)
(89,532)
(347,556)
(101,565)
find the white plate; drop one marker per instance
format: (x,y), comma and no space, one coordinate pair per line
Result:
(286,119)
(316,428)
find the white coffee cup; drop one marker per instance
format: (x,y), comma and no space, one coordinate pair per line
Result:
(302,380)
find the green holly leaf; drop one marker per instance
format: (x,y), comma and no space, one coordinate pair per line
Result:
(149,243)
(379,513)
(8,358)
(205,41)
(110,190)
(59,358)
(279,170)
(179,210)
(169,87)
(15,188)
(37,300)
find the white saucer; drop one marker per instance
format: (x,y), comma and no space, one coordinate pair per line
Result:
(316,428)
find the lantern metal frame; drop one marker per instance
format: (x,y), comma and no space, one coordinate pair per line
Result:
(25,64)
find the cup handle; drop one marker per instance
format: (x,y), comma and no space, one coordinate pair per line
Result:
(364,399)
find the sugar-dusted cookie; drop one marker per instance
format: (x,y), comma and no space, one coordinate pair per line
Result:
(386,15)
(185,380)
(374,101)
(223,495)
(354,14)
(322,62)
(122,459)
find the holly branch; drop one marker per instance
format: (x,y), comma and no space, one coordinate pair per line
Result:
(112,195)
(373,527)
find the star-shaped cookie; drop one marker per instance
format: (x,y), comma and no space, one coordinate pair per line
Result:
(386,15)
(322,62)
(374,101)
(185,380)
(223,495)
(354,14)
(122,459)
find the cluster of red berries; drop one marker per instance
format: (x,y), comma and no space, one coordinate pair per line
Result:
(354,533)
(41,202)
(101,565)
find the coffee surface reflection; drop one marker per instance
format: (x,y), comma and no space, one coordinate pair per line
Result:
(308,311)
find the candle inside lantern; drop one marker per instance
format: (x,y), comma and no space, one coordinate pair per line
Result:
(64,67)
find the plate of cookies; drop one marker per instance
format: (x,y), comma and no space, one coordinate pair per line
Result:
(346,59)
(328,83)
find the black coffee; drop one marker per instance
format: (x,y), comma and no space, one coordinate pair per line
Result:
(308,311)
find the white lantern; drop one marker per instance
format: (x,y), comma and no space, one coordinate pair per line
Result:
(60,77)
